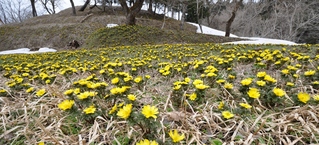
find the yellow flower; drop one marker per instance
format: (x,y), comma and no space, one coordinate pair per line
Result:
(3,91)
(150,111)
(315,83)
(201,86)
(147,76)
(147,142)
(41,143)
(245,105)
(231,76)
(128,78)
(261,74)
(177,87)
(285,71)
(86,94)
(114,108)
(316,97)
(102,71)
(278,62)
(77,91)
(40,92)
(131,97)
(220,81)
(193,96)
(175,136)
(261,83)
(66,104)
(119,90)
(253,93)
(270,79)
(279,92)
(138,79)
(115,80)
(187,80)
(25,74)
(211,74)
(221,105)
(246,82)
(227,114)
(228,86)
(125,112)
(31,89)
(310,73)
(197,82)
(89,110)
(48,81)
(121,104)
(290,84)
(68,92)
(303,97)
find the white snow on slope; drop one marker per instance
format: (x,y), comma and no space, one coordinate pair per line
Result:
(257,40)
(252,40)
(111,25)
(27,51)
(210,31)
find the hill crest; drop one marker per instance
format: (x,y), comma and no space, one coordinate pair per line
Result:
(55,31)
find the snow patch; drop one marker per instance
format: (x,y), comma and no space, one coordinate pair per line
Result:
(210,31)
(111,25)
(27,51)
(251,40)
(257,40)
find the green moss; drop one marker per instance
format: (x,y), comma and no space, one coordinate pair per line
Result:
(141,35)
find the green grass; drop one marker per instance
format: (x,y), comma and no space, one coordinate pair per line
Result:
(146,35)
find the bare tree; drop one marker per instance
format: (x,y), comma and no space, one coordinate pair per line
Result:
(183,7)
(87,2)
(49,5)
(215,8)
(3,14)
(1,22)
(277,19)
(34,11)
(231,19)
(150,6)
(14,11)
(132,11)
(73,7)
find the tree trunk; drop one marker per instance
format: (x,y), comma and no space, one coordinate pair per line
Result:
(1,22)
(73,7)
(87,2)
(34,11)
(198,20)
(232,18)
(150,7)
(131,12)
(163,24)
(184,7)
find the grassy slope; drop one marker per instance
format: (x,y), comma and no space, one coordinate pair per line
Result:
(57,30)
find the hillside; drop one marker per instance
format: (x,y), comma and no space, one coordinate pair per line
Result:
(57,30)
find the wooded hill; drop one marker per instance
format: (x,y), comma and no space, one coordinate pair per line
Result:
(57,30)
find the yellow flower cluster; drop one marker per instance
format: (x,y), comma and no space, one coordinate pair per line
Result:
(100,80)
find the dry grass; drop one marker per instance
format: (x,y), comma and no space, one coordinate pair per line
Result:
(27,119)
